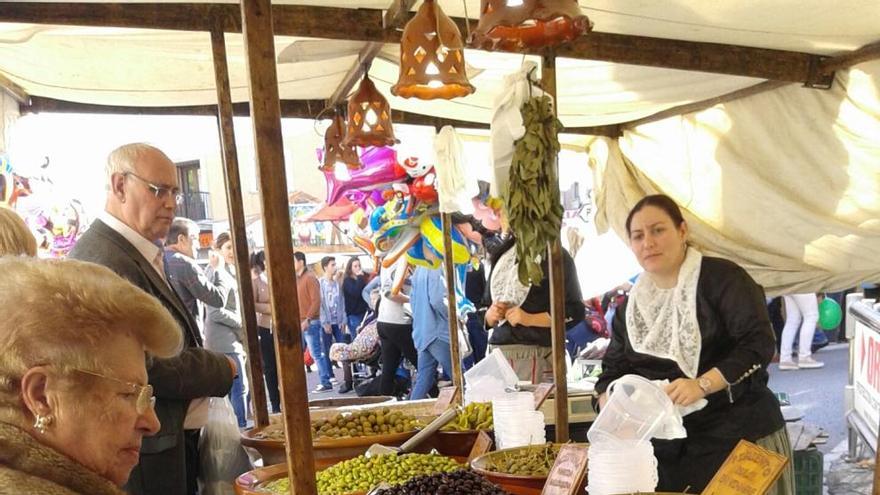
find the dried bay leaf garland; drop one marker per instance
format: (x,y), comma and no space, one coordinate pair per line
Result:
(534,207)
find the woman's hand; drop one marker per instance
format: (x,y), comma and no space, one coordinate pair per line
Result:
(495,313)
(684,391)
(516,316)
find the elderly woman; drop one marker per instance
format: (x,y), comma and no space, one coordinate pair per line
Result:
(702,324)
(15,237)
(74,399)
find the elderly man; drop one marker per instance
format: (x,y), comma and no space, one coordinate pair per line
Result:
(187,277)
(141,198)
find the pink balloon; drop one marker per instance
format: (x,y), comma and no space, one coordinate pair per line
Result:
(486,215)
(377,198)
(379,168)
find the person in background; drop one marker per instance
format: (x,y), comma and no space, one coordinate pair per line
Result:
(702,324)
(332,305)
(523,332)
(801,311)
(395,328)
(142,193)
(263,306)
(475,291)
(430,328)
(223,329)
(353,285)
(74,400)
(187,277)
(15,236)
(308,291)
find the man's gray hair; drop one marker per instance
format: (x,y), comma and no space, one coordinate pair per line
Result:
(180,226)
(123,158)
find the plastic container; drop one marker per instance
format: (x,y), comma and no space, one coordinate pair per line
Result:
(489,378)
(634,411)
(808,471)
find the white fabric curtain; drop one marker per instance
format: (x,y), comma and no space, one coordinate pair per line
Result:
(786,183)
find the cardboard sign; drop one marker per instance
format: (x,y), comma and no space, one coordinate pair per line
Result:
(748,470)
(541,392)
(568,471)
(481,445)
(447,395)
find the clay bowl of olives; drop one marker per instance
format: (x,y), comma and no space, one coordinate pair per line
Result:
(520,470)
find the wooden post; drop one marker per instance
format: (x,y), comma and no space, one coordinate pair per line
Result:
(232,178)
(452,307)
(266,115)
(557,283)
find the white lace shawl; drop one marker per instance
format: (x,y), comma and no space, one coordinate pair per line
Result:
(663,322)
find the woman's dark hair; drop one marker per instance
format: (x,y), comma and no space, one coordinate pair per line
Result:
(661,201)
(222,239)
(258,260)
(460,218)
(348,265)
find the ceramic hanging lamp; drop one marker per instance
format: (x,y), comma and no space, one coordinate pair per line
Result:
(369,117)
(336,153)
(431,57)
(517,25)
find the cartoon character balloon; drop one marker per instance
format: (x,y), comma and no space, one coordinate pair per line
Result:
(379,169)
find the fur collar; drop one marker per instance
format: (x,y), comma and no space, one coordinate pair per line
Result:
(28,467)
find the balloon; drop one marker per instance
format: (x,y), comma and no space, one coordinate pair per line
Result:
(378,197)
(432,230)
(829,314)
(424,188)
(487,216)
(416,256)
(414,168)
(377,171)
(376,218)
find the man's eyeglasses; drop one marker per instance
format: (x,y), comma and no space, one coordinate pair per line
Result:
(144,393)
(161,192)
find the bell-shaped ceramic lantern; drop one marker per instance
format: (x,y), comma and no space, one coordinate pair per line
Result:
(517,25)
(369,117)
(336,153)
(431,57)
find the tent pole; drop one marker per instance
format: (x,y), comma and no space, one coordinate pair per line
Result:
(232,179)
(454,351)
(266,118)
(557,282)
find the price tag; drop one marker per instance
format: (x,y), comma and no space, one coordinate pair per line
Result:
(748,470)
(542,391)
(481,445)
(568,471)
(447,395)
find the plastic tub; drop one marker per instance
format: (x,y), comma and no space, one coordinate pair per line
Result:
(634,410)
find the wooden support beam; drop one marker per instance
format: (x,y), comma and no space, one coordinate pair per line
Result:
(452,307)
(557,287)
(269,152)
(395,14)
(232,179)
(302,109)
(368,25)
(14,90)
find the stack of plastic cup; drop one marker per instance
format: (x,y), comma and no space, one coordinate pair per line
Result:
(516,421)
(622,467)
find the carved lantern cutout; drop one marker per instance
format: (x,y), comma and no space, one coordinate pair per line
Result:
(516,25)
(335,152)
(369,117)
(431,57)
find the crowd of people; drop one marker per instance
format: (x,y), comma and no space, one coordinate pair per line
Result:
(132,322)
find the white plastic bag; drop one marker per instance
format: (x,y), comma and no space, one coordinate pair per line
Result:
(222,457)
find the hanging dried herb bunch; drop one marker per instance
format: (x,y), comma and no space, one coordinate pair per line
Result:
(533,204)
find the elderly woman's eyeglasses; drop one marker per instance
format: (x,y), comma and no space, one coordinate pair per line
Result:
(161,192)
(143,393)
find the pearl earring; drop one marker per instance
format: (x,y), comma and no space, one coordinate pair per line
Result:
(42,422)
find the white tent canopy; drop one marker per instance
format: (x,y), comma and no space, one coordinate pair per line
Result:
(140,67)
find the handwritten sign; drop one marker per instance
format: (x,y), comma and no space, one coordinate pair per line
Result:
(447,395)
(568,471)
(748,470)
(481,445)
(541,392)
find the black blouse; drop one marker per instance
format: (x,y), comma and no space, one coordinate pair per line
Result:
(736,338)
(351,292)
(538,301)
